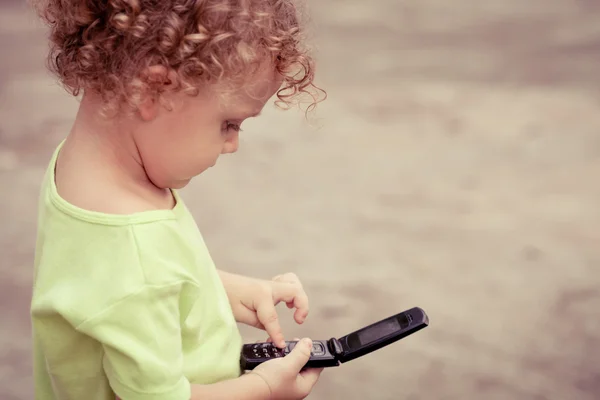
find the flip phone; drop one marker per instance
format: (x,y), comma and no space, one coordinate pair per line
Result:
(334,352)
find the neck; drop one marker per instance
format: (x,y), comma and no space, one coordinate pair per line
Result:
(109,143)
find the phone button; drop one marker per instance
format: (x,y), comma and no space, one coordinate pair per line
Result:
(290,347)
(318,349)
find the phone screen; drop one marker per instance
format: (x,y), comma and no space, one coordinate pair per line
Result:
(378,331)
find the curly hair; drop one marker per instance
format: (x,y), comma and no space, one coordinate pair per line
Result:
(105,46)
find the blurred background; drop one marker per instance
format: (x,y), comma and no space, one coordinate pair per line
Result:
(455,166)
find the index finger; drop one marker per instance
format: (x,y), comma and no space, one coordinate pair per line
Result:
(267,315)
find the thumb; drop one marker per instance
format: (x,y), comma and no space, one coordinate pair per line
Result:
(300,354)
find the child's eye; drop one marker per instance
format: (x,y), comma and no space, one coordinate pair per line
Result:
(230,126)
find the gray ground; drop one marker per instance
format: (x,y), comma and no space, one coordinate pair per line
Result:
(454,166)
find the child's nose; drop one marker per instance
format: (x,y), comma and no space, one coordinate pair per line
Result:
(231,145)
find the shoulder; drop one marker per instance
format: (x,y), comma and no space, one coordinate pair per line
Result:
(113,273)
(83,267)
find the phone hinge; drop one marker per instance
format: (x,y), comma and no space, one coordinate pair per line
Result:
(335,347)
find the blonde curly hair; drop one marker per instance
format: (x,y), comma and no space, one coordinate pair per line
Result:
(105,46)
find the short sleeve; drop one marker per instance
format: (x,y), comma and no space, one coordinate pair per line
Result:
(141,338)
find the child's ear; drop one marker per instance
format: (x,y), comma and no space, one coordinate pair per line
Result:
(160,80)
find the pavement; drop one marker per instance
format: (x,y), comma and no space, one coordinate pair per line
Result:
(455,166)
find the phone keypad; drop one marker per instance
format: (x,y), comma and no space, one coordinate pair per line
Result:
(317,349)
(267,350)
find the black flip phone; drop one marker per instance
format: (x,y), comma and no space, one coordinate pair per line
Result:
(334,352)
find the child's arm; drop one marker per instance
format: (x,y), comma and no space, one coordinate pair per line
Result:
(253,301)
(276,379)
(141,343)
(143,357)
(246,387)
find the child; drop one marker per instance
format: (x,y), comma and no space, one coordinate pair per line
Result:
(127,302)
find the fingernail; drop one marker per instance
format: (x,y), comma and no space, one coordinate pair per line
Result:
(307,342)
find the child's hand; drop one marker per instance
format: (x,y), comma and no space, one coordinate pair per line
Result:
(253,301)
(285,377)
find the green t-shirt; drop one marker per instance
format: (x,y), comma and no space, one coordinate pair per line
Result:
(130,305)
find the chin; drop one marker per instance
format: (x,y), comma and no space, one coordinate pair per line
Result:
(179,184)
